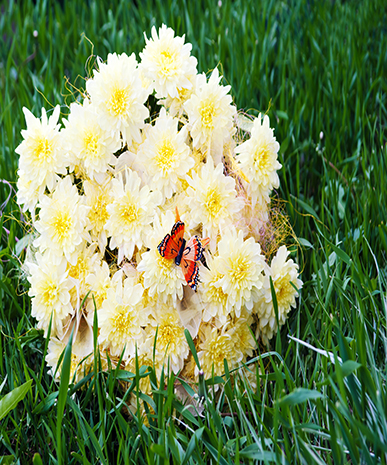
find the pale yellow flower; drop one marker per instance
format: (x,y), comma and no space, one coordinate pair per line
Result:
(118,95)
(167,61)
(62,222)
(284,274)
(215,346)
(87,143)
(212,199)
(98,197)
(130,213)
(165,155)
(210,115)
(258,158)
(41,155)
(242,265)
(171,344)
(50,292)
(120,319)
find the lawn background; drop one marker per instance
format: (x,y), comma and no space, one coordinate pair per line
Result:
(319,69)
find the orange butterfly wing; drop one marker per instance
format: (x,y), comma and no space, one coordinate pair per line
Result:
(191,272)
(170,246)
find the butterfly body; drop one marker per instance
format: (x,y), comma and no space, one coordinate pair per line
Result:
(185,254)
(179,256)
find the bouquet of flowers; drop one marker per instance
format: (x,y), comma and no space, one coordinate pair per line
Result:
(150,205)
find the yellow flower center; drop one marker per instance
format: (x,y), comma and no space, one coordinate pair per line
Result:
(284,290)
(213,202)
(168,64)
(239,270)
(207,112)
(166,335)
(91,145)
(49,293)
(122,321)
(164,265)
(118,103)
(128,212)
(80,269)
(98,214)
(218,349)
(262,158)
(166,155)
(62,226)
(43,150)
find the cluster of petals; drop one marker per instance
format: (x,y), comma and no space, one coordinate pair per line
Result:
(105,190)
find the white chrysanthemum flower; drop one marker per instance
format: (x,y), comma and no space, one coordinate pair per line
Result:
(62,221)
(98,197)
(242,335)
(258,158)
(212,199)
(86,262)
(175,106)
(171,342)
(210,115)
(242,265)
(165,155)
(130,214)
(168,61)
(120,319)
(41,154)
(118,95)
(213,296)
(50,292)
(87,142)
(29,192)
(284,274)
(214,347)
(99,282)
(161,277)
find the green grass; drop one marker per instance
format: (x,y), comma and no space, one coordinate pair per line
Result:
(317,67)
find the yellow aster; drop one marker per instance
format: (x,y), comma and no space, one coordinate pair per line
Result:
(86,262)
(50,292)
(98,197)
(242,265)
(130,213)
(165,155)
(212,199)
(171,344)
(62,221)
(210,115)
(87,143)
(167,61)
(258,158)
(118,96)
(120,319)
(215,346)
(41,154)
(213,296)
(284,274)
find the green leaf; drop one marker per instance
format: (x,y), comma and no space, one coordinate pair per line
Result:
(305,243)
(300,395)
(7,460)
(37,460)
(255,453)
(10,400)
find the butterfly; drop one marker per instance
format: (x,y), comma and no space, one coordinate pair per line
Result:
(185,254)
